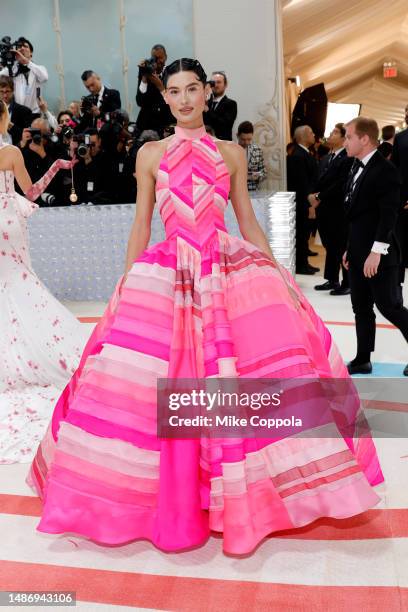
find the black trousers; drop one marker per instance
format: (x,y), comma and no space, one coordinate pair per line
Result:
(302,235)
(383,290)
(333,232)
(402,233)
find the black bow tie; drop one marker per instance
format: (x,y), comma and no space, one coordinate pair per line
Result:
(357,164)
(22,69)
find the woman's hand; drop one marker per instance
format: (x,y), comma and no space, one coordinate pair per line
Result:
(67,164)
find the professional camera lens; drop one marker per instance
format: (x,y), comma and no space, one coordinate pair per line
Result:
(82,149)
(67,132)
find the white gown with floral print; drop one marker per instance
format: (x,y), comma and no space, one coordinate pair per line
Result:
(40,341)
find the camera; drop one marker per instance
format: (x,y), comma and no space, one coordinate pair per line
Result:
(48,198)
(67,132)
(83,141)
(36,135)
(148,67)
(87,102)
(7,51)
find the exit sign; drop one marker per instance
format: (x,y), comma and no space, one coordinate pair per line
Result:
(390,72)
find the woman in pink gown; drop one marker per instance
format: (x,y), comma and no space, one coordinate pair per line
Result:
(199,304)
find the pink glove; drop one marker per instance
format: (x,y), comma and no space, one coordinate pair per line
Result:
(41,185)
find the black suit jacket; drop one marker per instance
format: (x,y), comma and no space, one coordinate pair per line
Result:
(302,176)
(331,185)
(20,117)
(373,210)
(400,159)
(222,118)
(110,102)
(154,113)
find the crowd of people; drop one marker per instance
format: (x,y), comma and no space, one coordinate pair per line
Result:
(99,133)
(357,195)
(318,172)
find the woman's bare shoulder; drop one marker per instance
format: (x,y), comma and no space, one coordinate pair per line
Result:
(11,149)
(11,154)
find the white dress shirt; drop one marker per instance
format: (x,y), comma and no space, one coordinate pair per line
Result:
(25,89)
(101,92)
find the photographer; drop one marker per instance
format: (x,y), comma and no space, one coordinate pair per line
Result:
(39,153)
(221,110)
(100,102)
(20,116)
(128,187)
(27,76)
(154,113)
(93,174)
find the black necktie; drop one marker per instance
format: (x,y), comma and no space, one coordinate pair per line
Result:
(331,157)
(351,183)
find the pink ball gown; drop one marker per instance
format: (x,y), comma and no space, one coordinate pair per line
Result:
(200,304)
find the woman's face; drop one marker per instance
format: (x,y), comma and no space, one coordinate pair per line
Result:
(64,120)
(186,96)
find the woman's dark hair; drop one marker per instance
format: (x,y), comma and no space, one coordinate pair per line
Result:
(185,64)
(64,112)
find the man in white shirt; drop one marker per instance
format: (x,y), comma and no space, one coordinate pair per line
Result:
(28,77)
(373,253)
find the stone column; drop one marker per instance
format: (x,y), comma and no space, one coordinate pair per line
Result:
(245,40)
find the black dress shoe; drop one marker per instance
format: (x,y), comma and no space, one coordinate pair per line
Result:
(360,368)
(307,271)
(327,285)
(311,253)
(405,372)
(314,268)
(341,291)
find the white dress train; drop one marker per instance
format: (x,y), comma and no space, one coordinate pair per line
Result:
(40,340)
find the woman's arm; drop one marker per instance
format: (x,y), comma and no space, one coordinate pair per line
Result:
(20,171)
(145,177)
(247,221)
(32,192)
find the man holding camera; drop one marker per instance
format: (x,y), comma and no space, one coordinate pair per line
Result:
(20,116)
(154,113)
(39,153)
(222,111)
(101,101)
(28,77)
(93,174)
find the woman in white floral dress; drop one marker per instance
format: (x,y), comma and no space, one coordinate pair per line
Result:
(40,341)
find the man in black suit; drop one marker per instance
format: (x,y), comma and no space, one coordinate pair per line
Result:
(100,102)
(400,158)
(301,178)
(20,116)
(373,254)
(330,213)
(154,113)
(222,111)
